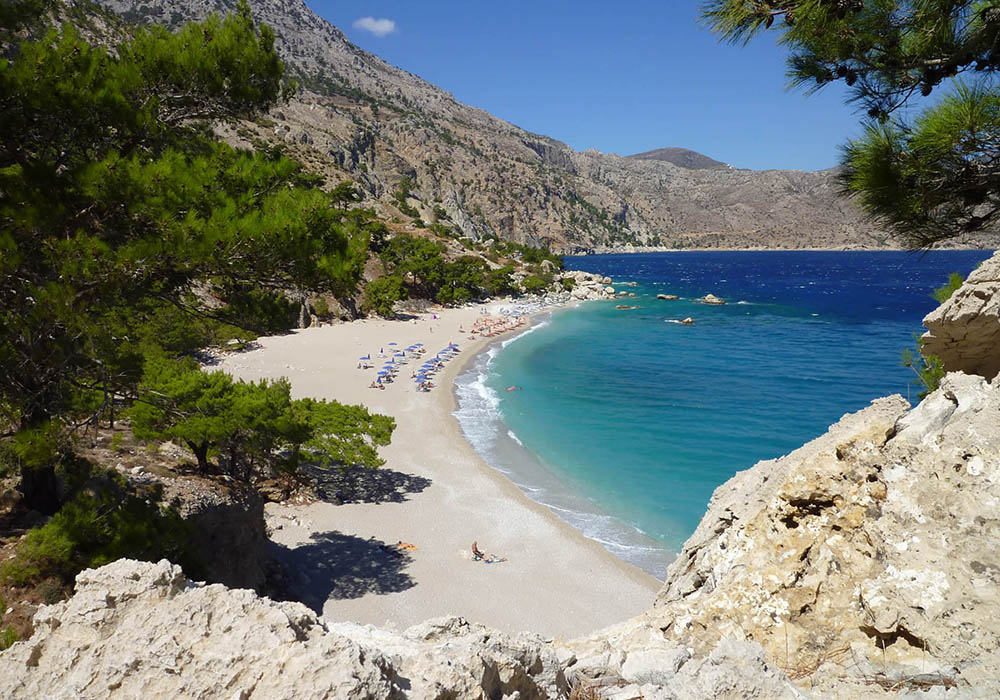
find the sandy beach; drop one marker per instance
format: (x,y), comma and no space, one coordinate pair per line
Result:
(435,493)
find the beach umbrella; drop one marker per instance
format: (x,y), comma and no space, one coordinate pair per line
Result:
(418,345)
(392,343)
(382,373)
(400,354)
(366,357)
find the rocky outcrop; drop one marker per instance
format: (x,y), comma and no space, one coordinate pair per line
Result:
(227,523)
(866,559)
(964,332)
(135,629)
(588,286)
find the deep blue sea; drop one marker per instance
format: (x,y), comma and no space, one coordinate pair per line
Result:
(624,422)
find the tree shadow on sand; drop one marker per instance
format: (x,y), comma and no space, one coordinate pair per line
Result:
(339,566)
(364,485)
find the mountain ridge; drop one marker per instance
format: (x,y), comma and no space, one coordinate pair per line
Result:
(479,176)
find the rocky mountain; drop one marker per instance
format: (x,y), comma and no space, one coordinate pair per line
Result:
(682,158)
(360,118)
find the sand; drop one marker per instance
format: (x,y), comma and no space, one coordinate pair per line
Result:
(436,493)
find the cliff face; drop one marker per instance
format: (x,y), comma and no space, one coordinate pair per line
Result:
(363,119)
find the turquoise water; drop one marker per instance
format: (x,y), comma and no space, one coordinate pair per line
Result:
(624,422)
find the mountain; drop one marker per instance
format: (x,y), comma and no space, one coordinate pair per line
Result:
(682,158)
(362,119)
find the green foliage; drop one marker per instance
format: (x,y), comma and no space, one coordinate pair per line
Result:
(500,282)
(116,201)
(526,253)
(402,192)
(568,283)
(255,428)
(943,293)
(7,638)
(928,368)
(322,307)
(930,180)
(95,528)
(382,294)
(534,284)
(345,435)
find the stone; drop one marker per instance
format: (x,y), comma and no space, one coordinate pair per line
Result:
(711,299)
(964,331)
(687,321)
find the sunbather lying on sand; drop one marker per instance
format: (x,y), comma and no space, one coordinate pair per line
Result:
(485,558)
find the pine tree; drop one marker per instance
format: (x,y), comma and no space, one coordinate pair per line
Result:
(930,180)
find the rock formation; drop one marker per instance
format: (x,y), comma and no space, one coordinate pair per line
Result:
(964,332)
(363,119)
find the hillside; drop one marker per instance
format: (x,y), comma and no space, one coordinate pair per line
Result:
(682,158)
(361,118)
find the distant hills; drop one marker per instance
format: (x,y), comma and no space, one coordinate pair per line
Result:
(362,119)
(683,158)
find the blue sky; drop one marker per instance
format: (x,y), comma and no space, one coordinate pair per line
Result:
(620,77)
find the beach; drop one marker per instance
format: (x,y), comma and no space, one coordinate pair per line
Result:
(435,495)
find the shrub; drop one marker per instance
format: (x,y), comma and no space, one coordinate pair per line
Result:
(943,294)
(382,294)
(533,284)
(95,528)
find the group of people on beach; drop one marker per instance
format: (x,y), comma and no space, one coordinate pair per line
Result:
(488,326)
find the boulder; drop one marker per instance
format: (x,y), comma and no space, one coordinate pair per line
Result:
(964,332)
(136,629)
(711,299)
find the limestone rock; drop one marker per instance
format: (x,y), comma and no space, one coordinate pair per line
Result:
(135,629)
(667,297)
(712,299)
(864,559)
(964,332)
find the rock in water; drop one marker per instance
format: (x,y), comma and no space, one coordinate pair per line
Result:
(712,299)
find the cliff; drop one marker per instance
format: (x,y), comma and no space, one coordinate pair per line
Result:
(361,118)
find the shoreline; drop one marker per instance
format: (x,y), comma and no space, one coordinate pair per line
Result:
(494,440)
(444,495)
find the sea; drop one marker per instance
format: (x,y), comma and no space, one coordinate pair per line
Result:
(623,422)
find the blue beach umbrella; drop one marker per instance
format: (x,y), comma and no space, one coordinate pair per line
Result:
(382,373)
(366,357)
(392,343)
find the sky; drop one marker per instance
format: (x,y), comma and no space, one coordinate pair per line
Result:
(622,77)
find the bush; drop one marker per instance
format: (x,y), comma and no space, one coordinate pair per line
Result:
(382,294)
(322,307)
(533,284)
(568,283)
(96,528)
(943,294)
